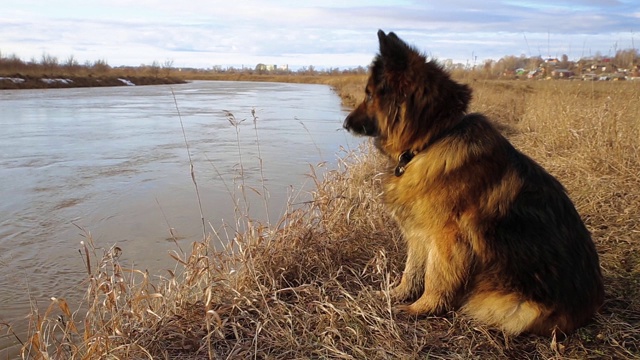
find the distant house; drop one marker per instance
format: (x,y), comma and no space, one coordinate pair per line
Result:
(562,73)
(271,67)
(603,67)
(266,67)
(517,73)
(534,73)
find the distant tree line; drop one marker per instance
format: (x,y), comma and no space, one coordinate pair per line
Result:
(628,60)
(49,65)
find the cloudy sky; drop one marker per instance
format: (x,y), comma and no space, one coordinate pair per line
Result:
(325,33)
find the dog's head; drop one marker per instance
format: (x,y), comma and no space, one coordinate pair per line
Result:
(409,101)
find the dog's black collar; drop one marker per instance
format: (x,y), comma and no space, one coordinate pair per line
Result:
(403,160)
(407,155)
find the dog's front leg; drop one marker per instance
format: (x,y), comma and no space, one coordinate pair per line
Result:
(447,270)
(412,282)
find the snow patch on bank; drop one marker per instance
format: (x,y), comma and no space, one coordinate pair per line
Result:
(12,79)
(58,80)
(127,82)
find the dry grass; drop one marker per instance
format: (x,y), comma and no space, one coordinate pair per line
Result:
(101,74)
(36,82)
(305,288)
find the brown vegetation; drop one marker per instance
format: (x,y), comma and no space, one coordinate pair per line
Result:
(50,73)
(305,288)
(43,82)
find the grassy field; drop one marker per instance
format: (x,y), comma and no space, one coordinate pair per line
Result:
(305,287)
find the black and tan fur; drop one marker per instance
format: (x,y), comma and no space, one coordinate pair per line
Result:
(488,230)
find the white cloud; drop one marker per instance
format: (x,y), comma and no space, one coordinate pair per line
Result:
(323,33)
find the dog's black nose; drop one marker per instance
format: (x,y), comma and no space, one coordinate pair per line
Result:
(345,124)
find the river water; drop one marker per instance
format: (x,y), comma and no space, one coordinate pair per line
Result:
(114,162)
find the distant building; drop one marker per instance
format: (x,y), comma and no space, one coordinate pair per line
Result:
(261,67)
(534,73)
(562,73)
(604,67)
(269,67)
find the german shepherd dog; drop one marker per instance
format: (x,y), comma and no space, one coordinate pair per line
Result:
(488,230)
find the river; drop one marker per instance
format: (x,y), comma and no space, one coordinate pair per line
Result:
(113,162)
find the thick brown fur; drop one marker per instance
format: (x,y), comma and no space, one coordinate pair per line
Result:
(488,230)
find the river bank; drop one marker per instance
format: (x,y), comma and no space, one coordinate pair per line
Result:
(19,81)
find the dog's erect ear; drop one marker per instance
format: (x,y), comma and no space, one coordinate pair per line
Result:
(393,51)
(381,36)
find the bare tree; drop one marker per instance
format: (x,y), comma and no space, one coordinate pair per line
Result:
(71,65)
(564,61)
(626,58)
(101,67)
(167,66)
(154,68)
(49,63)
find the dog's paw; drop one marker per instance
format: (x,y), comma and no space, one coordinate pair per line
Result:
(405,310)
(398,293)
(401,309)
(420,307)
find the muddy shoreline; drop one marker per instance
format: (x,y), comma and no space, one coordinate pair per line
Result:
(19,81)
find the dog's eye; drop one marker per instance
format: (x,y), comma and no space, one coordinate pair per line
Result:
(369,98)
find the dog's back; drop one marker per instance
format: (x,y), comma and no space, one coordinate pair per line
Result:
(541,268)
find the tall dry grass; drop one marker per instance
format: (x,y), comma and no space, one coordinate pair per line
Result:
(304,288)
